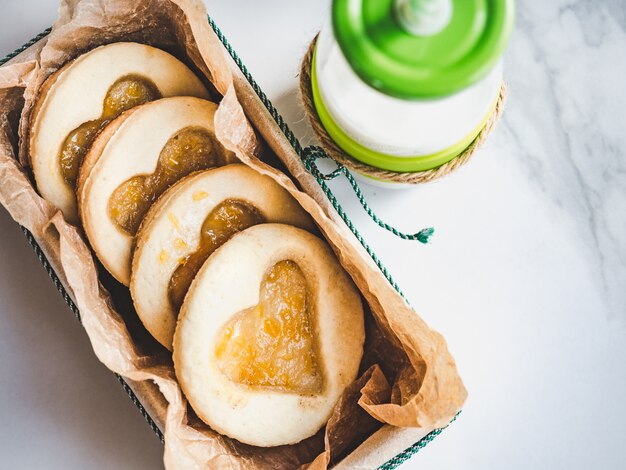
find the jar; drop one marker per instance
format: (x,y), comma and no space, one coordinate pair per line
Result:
(407,85)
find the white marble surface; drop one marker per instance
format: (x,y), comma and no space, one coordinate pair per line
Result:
(525,277)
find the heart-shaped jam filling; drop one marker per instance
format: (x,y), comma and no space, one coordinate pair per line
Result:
(190,149)
(273,343)
(127,92)
(226,219)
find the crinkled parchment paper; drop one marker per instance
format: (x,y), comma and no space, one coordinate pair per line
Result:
(408,377)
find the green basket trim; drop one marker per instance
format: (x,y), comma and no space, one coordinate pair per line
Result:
(74,309)
(57,281)
(409,452)
(22,48)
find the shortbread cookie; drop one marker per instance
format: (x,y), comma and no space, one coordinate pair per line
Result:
(77,101)
(269,336)
(188,223)
(133,161)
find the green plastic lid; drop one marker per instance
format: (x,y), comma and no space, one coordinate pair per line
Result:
(420,49)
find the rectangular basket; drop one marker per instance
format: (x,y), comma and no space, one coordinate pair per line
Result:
(247,85)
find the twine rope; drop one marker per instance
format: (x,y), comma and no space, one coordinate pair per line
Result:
(341,157)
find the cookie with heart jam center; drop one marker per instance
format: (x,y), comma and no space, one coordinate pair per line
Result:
(269,336)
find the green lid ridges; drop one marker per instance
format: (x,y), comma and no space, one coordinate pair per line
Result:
(399,63)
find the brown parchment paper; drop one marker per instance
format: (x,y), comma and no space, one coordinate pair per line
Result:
(407,376)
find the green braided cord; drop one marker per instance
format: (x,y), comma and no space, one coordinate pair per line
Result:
(331,197)
(40,36)
(299,150)
(312,153)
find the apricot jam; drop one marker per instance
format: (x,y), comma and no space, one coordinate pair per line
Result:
(223,222)
(272,344)
(190,149)
(127,92)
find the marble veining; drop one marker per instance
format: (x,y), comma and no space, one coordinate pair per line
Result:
(567,117)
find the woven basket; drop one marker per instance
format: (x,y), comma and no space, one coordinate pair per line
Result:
(393,462)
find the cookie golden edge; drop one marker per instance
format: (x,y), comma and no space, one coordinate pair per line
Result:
(257,417)
(42,161)
(96,223)
(160,245)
